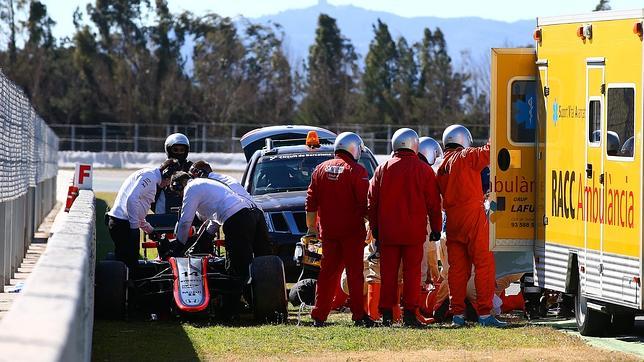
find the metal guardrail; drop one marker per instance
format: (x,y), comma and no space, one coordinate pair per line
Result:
(28,169)
(117,137)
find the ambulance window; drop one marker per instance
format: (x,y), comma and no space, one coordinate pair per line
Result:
(594,121)
(620,122)
(523,111)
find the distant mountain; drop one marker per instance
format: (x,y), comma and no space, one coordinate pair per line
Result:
(474,34)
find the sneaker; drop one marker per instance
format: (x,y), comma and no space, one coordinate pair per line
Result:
(458,321)
(318,323)
(410,320)
(387,318)
(491,321)
(366,322)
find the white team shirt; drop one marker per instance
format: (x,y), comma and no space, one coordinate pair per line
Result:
(136,195)
(211,200)
(232,183)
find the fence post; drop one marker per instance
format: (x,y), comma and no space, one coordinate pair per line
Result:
(73,140)
(203,138)
(8,238)
(232,138)
(388,139)
(136,137)
(104,136)
(3,245)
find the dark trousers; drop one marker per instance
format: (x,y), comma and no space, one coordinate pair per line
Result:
(246,235)
(126,242)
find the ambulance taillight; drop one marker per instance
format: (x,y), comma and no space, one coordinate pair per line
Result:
(638,28)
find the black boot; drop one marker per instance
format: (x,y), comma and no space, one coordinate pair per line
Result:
(387,318)
(365,321)
(410,320)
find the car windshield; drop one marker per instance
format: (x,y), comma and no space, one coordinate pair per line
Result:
(290,172)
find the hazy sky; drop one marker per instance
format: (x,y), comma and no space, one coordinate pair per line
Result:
(508,10)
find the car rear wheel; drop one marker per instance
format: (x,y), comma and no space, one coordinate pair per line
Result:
(269,289)
(110,289)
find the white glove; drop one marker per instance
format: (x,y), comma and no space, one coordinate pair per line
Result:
(146,227)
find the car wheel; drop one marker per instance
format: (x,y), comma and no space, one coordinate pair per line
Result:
(269,289)
(110,289)
(589,322)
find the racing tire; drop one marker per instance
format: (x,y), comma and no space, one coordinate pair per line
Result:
(589,322)
(623,323)
(110,289)
(268,287)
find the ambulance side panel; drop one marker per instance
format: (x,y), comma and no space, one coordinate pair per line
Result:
(513,120)
(591,88)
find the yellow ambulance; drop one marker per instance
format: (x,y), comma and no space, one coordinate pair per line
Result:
(566,171)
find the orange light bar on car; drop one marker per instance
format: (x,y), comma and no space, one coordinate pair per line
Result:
(312,139)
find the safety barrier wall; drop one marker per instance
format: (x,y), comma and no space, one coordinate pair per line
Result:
(52,320)
(28,169)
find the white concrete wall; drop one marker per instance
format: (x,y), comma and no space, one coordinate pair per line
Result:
(52,318)
(136,160)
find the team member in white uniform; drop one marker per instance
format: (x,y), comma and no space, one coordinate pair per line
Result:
(243,223)
(130,207)
(201,169)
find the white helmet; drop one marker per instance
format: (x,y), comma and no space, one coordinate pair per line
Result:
(349,142)
(176,139)
(430,149)
(405,138)
(457,135)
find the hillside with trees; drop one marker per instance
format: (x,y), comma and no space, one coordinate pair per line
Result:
(124,64)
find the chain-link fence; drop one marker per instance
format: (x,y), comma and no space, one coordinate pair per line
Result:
(115,137)
(28,169)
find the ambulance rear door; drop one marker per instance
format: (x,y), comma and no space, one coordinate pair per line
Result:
(513,124)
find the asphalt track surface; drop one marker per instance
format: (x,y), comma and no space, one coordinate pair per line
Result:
(109,180)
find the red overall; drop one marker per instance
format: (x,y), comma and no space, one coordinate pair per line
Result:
(459,180)
(338,192)
(402,193)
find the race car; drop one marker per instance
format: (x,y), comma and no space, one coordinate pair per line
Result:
(195,284)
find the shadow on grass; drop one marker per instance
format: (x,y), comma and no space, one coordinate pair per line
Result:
(141,341)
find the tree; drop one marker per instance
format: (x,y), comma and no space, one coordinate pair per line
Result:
(331,77)
(603,5)
(9,10)
(405,88)
(379,76)
(219,72)
(441,90)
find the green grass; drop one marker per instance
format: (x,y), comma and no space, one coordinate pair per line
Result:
(174,341)
(188,341)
